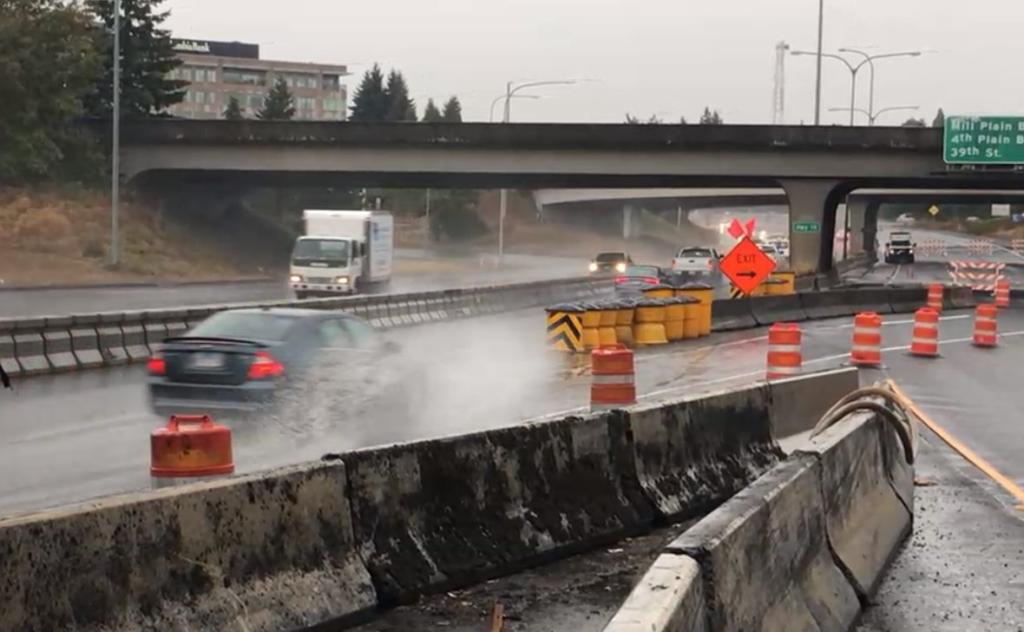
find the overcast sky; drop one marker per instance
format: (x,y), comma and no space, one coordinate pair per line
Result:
(664,57)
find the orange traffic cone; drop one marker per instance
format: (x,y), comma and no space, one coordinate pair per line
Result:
(189,448)
(925,339)
(613,384)
(867,340)
(935,297)
(1002,293)
(784,357)
(985,325)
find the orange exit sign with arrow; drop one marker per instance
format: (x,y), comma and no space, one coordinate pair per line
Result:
(747,266)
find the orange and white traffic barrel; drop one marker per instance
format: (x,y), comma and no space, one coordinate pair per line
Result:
(867,340)
(925,338)
(935,297)
(190,448)
(613,382)
(784,356)
(985,325)
(1002,293)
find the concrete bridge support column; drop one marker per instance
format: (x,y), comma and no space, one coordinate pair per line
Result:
(812,216)
(863,222)
(627,221)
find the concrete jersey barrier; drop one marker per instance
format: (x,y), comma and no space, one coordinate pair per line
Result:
(51,344)
(801,548)
(320,543)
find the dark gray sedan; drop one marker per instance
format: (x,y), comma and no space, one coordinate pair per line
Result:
(239,361)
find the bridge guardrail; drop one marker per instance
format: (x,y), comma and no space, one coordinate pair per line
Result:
(52,344)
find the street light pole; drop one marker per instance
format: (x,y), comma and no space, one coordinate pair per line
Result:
(817,80)
(872,117)
(510,93)
(870,61)
(114,252)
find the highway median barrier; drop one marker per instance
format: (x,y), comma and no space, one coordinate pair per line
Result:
(959,297)
(829,303)
(906,300)
(273,550)
(803,547)
(318,544)
(8,355)
(772,309)
(732,314)
(85,342)
(29,346)
(441,513)
(57,343)
(797,403)
(111,338)
(873,299)
(692,454)
(134,330)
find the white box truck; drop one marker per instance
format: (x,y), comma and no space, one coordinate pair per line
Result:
(342,252)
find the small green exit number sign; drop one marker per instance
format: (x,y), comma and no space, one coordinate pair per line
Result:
(806,227)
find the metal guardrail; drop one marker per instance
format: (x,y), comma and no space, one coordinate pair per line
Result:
(53,344)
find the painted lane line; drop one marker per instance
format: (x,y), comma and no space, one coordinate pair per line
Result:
(967,453)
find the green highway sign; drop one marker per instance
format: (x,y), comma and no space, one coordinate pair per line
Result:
(994,140)
(806,227)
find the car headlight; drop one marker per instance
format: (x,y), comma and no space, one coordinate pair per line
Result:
(341,280)
(593,267)
(295,278)
(620,267)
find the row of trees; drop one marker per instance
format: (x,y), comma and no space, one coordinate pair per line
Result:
(56,67)
(375,100)
(707,117)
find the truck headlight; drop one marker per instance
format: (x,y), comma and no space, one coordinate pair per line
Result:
(341,280)
(593,267)
(620,267)
(295,278)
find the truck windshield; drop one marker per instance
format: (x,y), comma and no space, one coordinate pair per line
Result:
(332,250)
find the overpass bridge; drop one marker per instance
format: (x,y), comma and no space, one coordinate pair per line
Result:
(859,211)
(817,167)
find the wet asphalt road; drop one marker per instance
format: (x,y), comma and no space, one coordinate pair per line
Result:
(456,273)
(76,436)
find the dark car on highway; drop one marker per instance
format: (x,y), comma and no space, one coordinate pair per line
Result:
(636,278)
(609,263)
(239,361)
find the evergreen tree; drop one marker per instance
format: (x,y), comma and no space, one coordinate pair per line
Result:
(48,63)
(431,114)
(279,105)
(710,117)
(370,102)
(400,106)
(914,122)
(940,119)
(147,59)
(634,120)
(234,111)
(452,111)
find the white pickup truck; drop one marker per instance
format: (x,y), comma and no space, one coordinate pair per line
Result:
(698,262)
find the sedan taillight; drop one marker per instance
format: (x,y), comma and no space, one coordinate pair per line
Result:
(265,366)
(156,365)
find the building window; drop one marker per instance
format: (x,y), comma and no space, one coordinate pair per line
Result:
(330,82)
(255,102)
(245,77)
(332,104)
(305,103)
